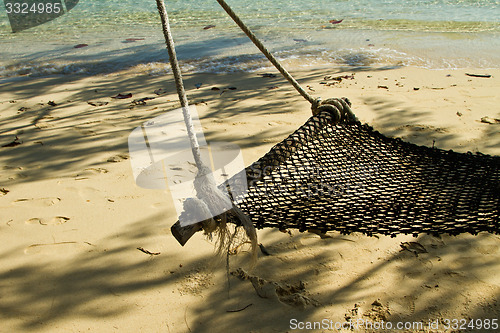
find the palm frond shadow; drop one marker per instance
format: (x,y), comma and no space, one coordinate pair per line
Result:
(450,280)
(95,282)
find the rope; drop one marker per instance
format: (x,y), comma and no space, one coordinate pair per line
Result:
(314,102)
(179,84)
(210,199)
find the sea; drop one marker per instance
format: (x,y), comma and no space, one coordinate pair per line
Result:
(113,36)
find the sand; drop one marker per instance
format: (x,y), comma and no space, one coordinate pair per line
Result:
(72,218)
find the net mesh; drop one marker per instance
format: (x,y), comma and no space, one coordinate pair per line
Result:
(350,178)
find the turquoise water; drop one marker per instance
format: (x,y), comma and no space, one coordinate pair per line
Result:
(373,33)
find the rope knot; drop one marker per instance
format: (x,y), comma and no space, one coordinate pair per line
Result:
(340,108)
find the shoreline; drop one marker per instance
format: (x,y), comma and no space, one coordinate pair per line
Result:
(220,51)
(73,218)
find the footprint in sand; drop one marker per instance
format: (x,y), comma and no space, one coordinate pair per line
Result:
(58,248)
(37,202)
(118,158)
(91,195)
(86,173)
(34,220)
(16,174)
(53,221)
(159,205)
(10,167)
(43,125)
(85,131)
(97,170)
(404,306)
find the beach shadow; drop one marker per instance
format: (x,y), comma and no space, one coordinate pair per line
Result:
(421,293)
(398,120)
(344,276)
(490,138)
(454,278)
(93,281)
(71,135)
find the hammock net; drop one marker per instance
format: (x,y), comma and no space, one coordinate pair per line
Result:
(347,177)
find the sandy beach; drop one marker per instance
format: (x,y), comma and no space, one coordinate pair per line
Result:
(72,218)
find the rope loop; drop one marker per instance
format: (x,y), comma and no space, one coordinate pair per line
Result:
(340,108)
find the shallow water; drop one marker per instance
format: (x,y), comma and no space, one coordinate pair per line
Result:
(373,33)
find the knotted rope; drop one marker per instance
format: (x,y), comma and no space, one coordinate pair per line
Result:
(339,108)
(209,199)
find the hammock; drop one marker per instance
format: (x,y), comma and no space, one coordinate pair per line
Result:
(350,178)
(344,176)
(335,173)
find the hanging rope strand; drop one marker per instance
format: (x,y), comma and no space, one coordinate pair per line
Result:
(195,147)
(209,198)
(268,55)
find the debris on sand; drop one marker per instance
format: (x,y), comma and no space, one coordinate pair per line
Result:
(225,89)
(14,143)
(122,96)
(97,103)
(140,101)
(336,21)
(118,158)
(148,252)
(414,247)
(267,75)
(160,91)
(488,120)
(132,40)
(264,250)
(478,75)
(293,295)
(338,78)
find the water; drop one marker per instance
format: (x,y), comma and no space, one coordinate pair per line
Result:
(373,33)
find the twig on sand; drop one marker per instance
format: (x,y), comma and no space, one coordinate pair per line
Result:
(236,249)
(478,75)
(238,310)
(148,252)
